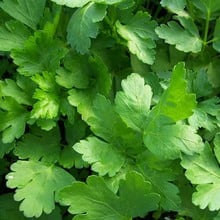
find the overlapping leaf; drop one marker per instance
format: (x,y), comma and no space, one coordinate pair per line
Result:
(135,101)
(40,53)
(96,201)
(97,153)
(45,145)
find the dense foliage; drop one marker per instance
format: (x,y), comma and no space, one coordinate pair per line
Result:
(109,109)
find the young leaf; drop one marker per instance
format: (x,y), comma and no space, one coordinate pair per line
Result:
(28,12)
(203,170)
(97,153)
(83,25)
(39,145)
(139,34)
(133,104)
(184,38)
(13,35)
(40,53)
(42,181)
(87,204)
(48,96)
(176,103)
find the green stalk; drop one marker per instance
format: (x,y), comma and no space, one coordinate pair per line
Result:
(205,38)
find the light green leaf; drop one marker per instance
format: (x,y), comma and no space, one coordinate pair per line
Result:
(176,103)
(13,119)
(133,104)
(39,145)
(72,3)
(139,34)
(48,96)
(216,43)
(42,181)
(97,153)
(87,204)
(83,25)
(203,170)
(40,53)
(28,12)
(13,35)
(185,38)
(169,140)
(175,6)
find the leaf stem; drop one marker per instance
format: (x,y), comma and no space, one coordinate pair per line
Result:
(205,38)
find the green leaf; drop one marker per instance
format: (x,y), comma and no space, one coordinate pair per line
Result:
(83,25)
(212,72)
(40,53)
(97,153)
(9,88)
(75,72)
(139,34)
(159,174)
(72,4)
(43,181)
(48,96)
(207,8)
(216,43)
(175,6)
(217,146)
(28,12)
(161,135)
(9,209)
(176,103)
(87,204)
(203,170)
(107,124)
(185,38)
(5,148)
(133,104)
(13,119)
(13,35)
(39,145)
(99,80)
(169,140)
